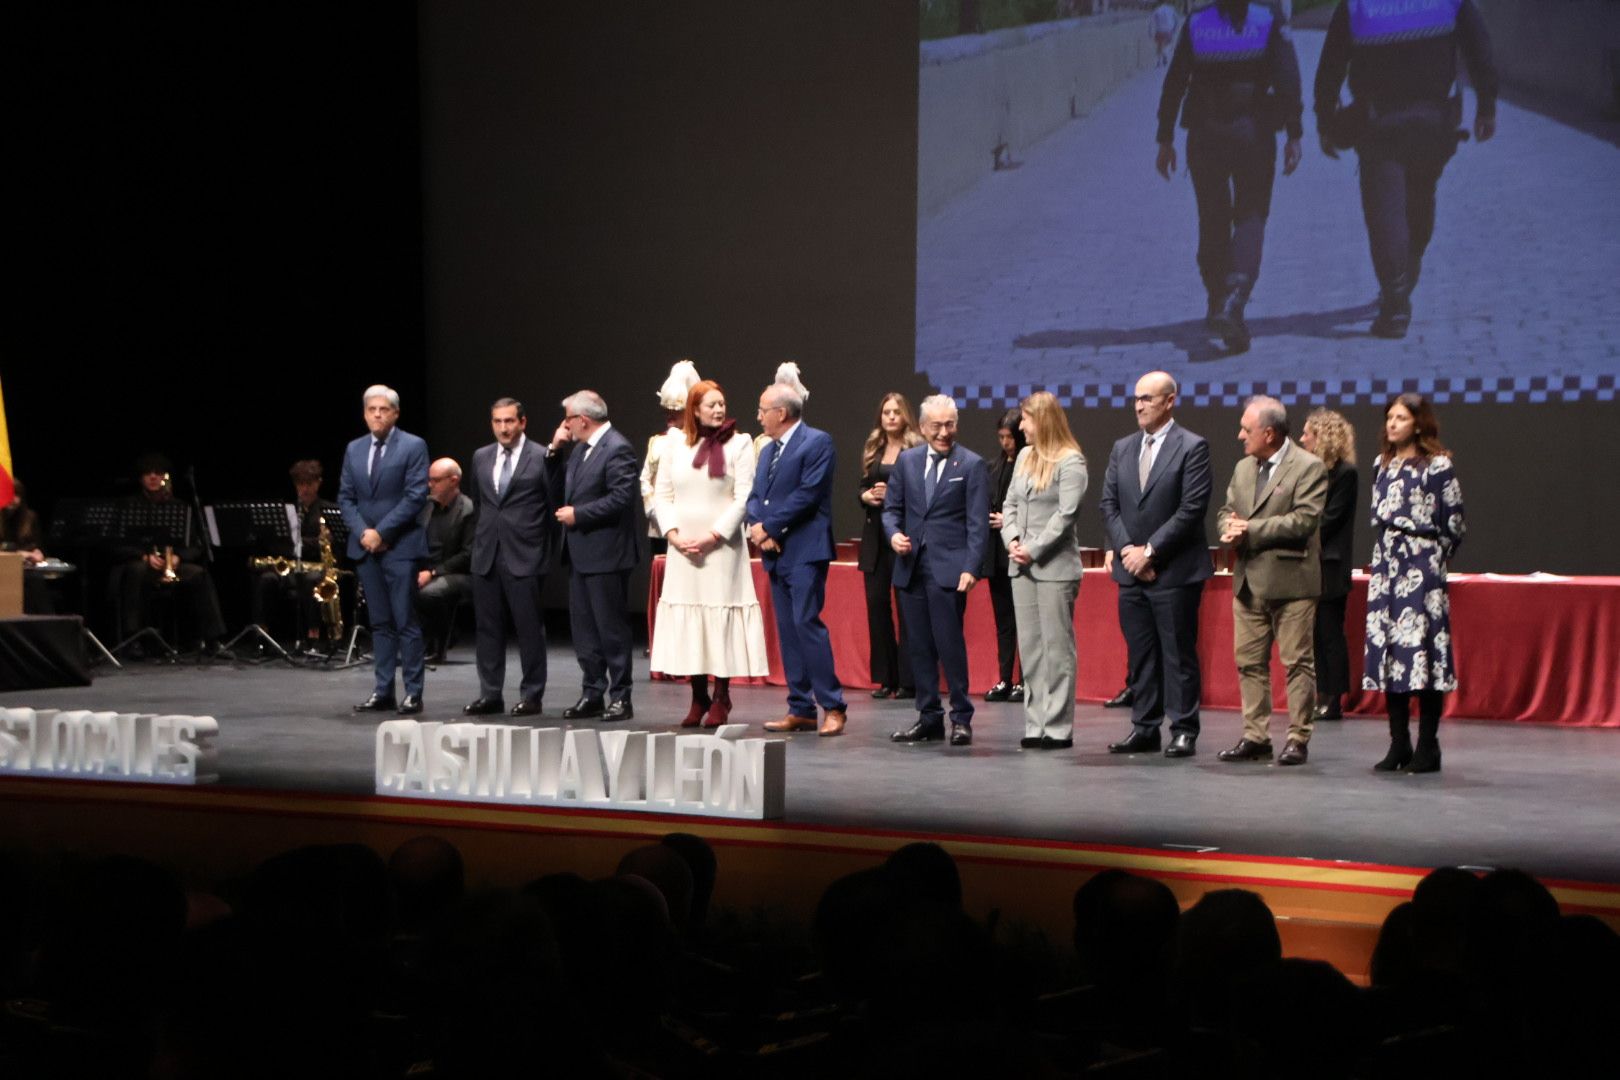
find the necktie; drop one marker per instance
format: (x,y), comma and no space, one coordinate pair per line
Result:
(506,473)
(931,476)
(1260,484)
(776,458)
(376,460)
(1144,464)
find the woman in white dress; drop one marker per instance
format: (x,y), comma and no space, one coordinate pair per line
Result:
(709,620)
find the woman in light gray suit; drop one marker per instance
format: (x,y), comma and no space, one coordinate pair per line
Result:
(1043,555)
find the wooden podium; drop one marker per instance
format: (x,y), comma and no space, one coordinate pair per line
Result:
(11,584)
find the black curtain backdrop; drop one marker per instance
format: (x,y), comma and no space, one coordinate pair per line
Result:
(233,219)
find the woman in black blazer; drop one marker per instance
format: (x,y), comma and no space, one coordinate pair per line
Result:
(1010,434)
(896,430)
(1330,437)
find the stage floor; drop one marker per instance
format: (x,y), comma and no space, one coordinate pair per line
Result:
(1537,797)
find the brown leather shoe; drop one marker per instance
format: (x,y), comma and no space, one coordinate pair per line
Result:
(1293,754)
(792,723)
(832,723)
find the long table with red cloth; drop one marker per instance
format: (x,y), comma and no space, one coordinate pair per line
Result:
(1534,649)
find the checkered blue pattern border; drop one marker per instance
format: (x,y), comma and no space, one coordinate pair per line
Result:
(1528,389)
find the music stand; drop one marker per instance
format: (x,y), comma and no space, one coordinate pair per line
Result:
(81,525)
(156,525)
(257,526)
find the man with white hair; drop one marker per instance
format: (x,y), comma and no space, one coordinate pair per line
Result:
(937,518)
(790,519)
(382,493)
(600,546)
(1271,516)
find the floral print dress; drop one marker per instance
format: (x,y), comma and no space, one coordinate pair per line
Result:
(1417,521)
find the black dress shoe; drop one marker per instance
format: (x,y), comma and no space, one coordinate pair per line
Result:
(619,710)
(1002,691)
(1137,742)
(1330,712)
(883,693)
(1295,753)
(376,703)
(484,706)
(1246,750)
(583,709)
(905,693)
(919,732)
(1184,744)
(1049,743)
(1016,693)
(961,735)
(1122,700)
(1032,742)
(410,704)
(527,707)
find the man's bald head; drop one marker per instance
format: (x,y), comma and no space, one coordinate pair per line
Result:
(444,481)
(1155,400)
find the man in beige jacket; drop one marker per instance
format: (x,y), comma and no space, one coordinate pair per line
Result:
(1271,517)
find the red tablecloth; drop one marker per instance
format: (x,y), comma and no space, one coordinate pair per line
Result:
(1534,649)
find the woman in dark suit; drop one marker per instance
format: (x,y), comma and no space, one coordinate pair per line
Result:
(1330,437)
(1010,433)
(896,430)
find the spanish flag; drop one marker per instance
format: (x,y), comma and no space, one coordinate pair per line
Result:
(7,491)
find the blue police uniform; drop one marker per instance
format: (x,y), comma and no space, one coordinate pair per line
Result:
(1404,121)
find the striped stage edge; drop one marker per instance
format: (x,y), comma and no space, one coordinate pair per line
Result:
(1326,909)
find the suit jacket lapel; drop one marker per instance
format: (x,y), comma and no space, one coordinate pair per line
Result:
(1160,463)
(1271,482)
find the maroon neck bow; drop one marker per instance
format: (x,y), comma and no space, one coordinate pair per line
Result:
(709,452)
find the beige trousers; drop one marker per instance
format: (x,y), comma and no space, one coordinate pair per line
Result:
(1291,623)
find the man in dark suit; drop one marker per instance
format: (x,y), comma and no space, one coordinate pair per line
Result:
(790,519)
(601,546)
(382,494)
(1270,517)
(444,580)
(1154,499)
(519,486)
(937,518)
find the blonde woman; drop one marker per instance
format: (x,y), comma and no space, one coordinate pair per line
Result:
(1043,555)
(896,430)
(1330,437)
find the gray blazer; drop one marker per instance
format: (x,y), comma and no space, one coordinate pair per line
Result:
(1044,520)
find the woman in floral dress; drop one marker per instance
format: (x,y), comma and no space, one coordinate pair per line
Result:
(1417,523)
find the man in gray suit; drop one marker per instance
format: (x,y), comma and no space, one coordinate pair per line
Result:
(1154,499)
(1273,506)
(519,486)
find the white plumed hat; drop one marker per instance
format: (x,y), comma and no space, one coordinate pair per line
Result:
(682,377)
(787,374)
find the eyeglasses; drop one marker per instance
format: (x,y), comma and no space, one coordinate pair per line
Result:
(1147,399)
(571,417)
(769,408)
(937,426)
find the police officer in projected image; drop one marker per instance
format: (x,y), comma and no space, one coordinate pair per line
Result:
(1404,120)
(382,493)
(1235,68)
(937,518)
(519,485)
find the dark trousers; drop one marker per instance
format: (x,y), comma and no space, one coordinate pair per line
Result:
(396,635)
(933,617)
(599,617)
(194,593)
(1232,167)
(285,606)
(1001,602)
(436,604)
(1332,651)
(497,596)
(1401,160)
(799,593)
(1161,639)
(891,663)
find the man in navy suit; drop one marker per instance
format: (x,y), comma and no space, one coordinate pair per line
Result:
(382,494)
(1154,500)
(937,518)
(601,545)
(790,519)
(519,486)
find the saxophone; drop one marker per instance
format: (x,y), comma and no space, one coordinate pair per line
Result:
(326,589)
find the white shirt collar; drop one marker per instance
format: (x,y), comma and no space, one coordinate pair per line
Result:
(782,439)
(596,436)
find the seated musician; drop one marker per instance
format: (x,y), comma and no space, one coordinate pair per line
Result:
(445,580)
(140,568)
(289,598)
